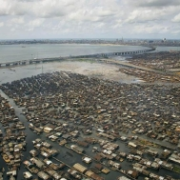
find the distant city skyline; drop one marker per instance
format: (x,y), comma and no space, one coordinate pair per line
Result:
(48,19)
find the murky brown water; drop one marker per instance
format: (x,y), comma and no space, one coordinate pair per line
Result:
(105,71)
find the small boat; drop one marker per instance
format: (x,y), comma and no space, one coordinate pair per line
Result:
(86,159)
(121,160)
(6,158)
(27,175)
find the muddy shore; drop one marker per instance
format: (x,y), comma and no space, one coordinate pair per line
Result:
(93,101)
(92,69)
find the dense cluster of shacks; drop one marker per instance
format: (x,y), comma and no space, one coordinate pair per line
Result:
(78,113)
(151,77)
(12,138)
(166,65)
(159,60)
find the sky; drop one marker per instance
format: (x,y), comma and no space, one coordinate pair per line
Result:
(46,19)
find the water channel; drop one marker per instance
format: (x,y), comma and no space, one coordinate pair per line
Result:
(68,158)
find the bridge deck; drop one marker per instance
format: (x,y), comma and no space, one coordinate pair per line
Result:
(30,61)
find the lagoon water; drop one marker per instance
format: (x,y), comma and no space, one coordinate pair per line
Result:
(10,53)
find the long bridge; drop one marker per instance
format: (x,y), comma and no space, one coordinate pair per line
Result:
(99,55)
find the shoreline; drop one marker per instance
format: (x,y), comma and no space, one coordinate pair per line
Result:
(16,53)
(88,68)
(105,96)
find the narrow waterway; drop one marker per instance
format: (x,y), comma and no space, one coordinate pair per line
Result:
(30,136)
(63,155)
(72,157)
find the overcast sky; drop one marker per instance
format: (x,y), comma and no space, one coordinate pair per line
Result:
(89,19)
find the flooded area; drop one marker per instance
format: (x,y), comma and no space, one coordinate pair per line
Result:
(125,129)
(91,119)
(93,69)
